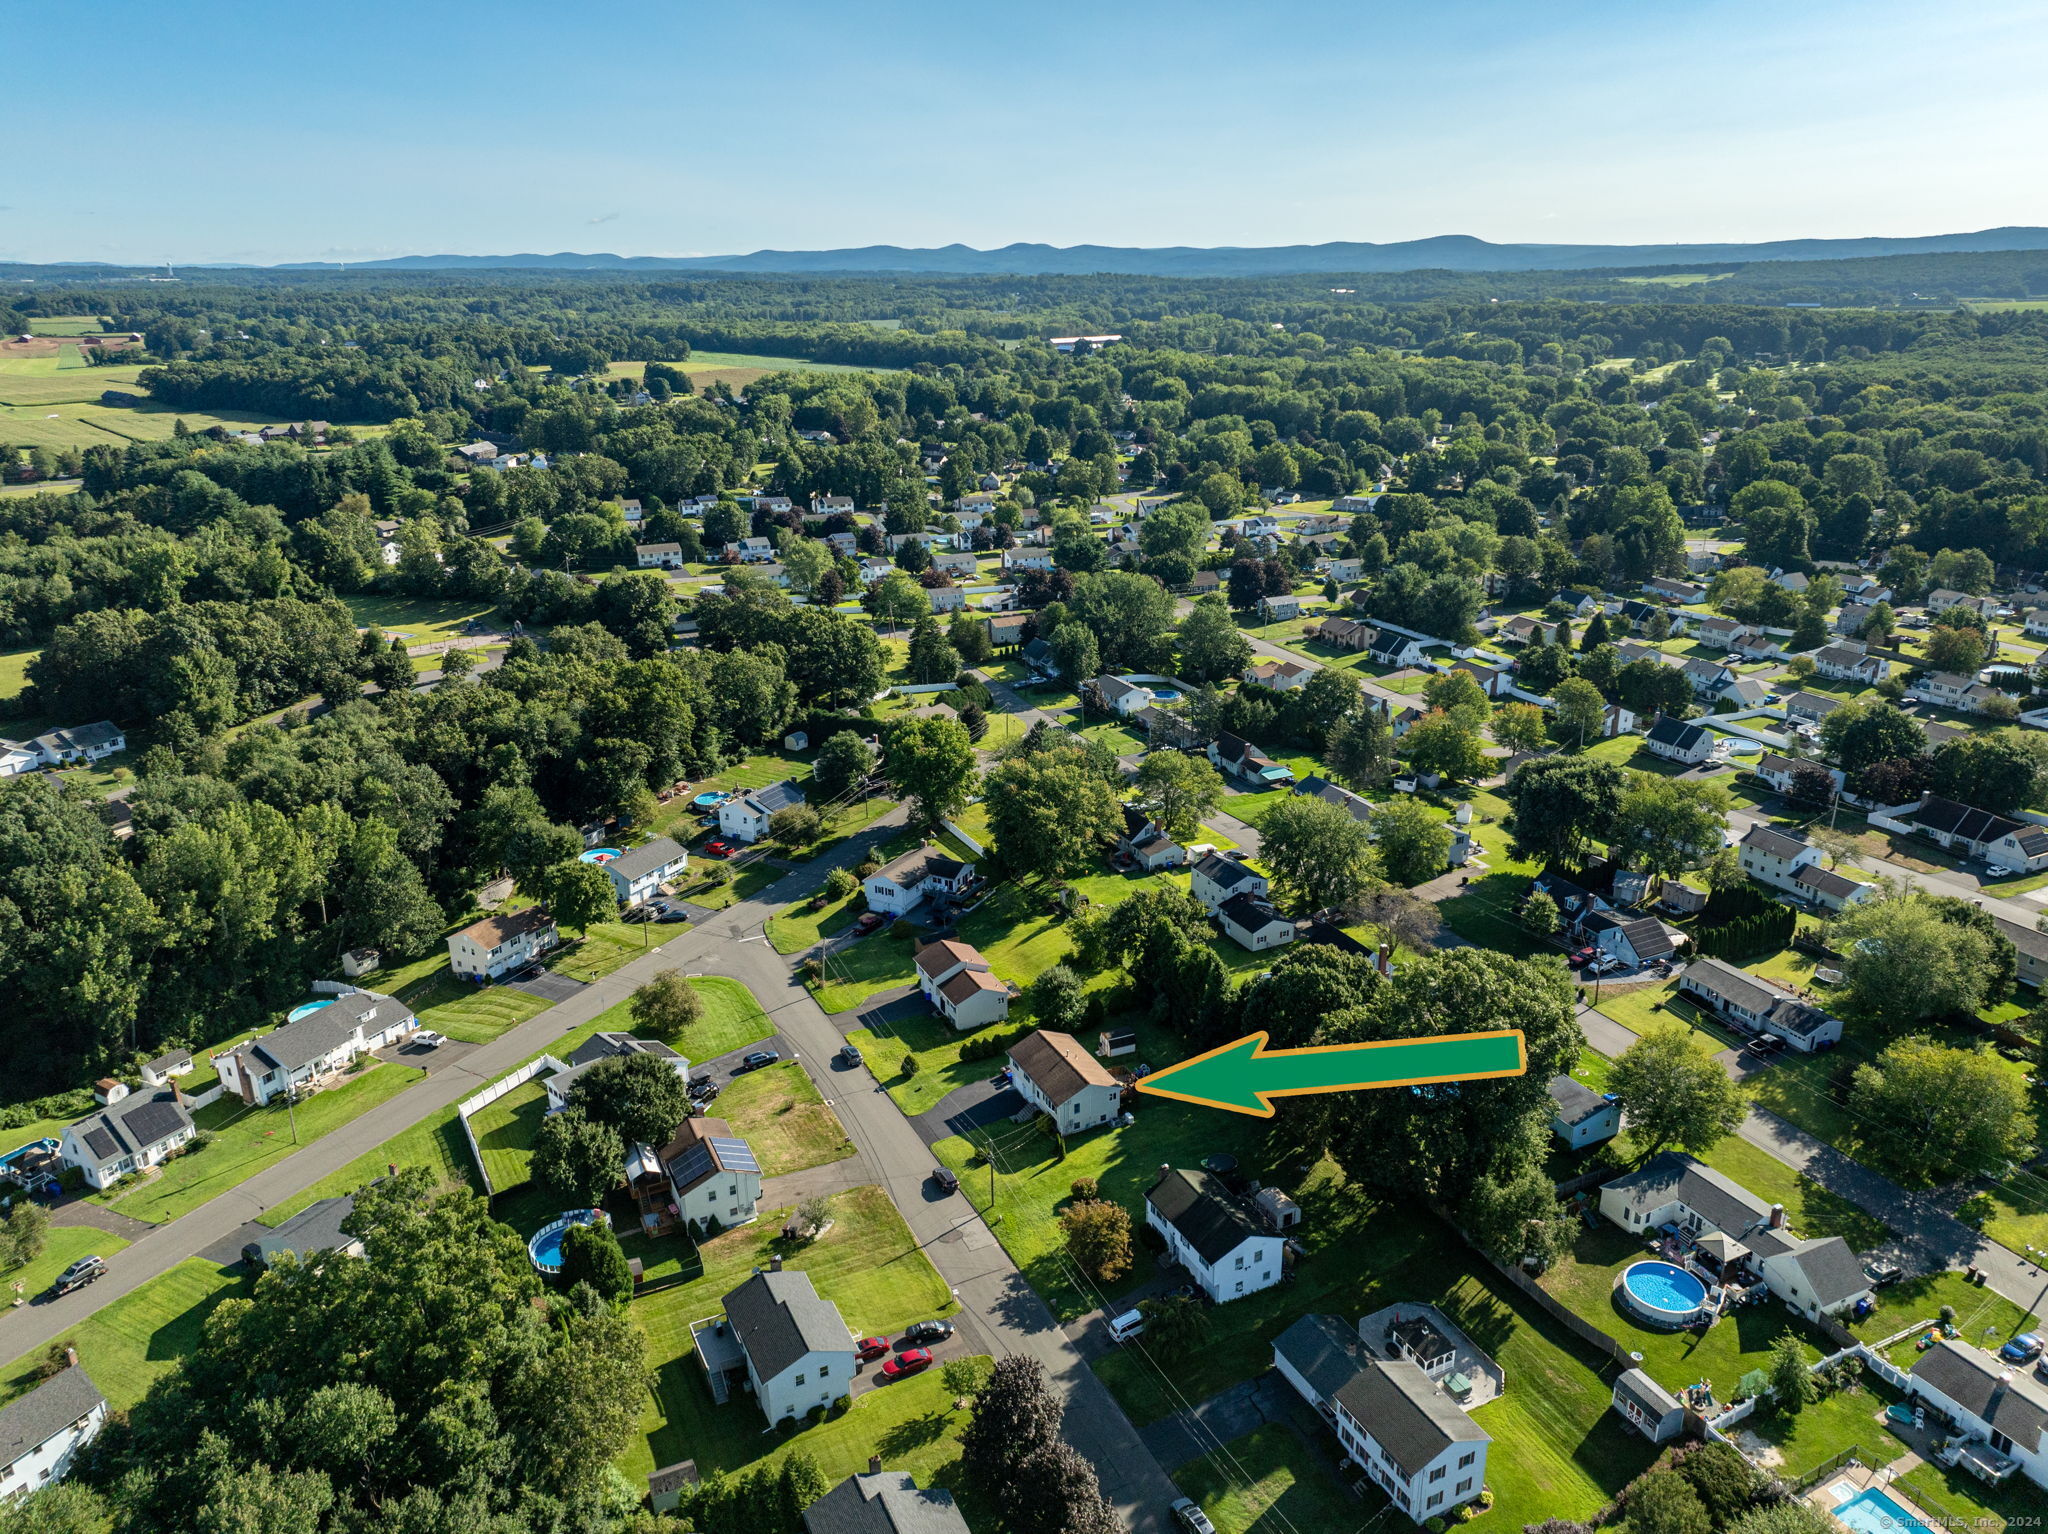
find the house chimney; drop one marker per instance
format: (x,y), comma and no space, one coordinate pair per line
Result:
(1383,961)
(775,1262)
(71,1358)
(1777,1216)
(874,1464)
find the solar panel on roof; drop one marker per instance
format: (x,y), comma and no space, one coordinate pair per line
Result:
(690,1165)
(736,1156)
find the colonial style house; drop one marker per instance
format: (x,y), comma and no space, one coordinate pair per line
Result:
(1774,858)
(1814,1277)
(922,873)
(1416,1444)
(1251,923)
(318,1044)
(957,981)
(639,872)
(1145,844)
(1583,1117)
(501,943)
(42,1432)
(1247,763)
(1721,633)
(1941,599)
(1278,608)
(1219,877)
(781,1341)
(1779,771)
(712,1174)
(1279,675)
(884,1502)
(2018,845)
(1006,629)
(1850,663)
(1677,741)
(1055,1074)
(1211,1234)
(1707,677)
(1756,1005)
(1998,1406)
(658,556)
(1950,689)
(131,1135)
(745,817)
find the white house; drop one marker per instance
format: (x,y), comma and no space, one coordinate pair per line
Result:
(658,556)
(832,505)
(1998,1406)
(2018,845)
(1145,844)
(1941,599)
(1277,608)
(127,1136)
(42,1432)
(1774,858)
(1677,741)
(1219,877)
(1634,940)
(2037,622)
(1707,677)
(1416,1443)
(501,943)
(1246,762)
(1251,923)
(781,1341)
(1721,633)
(1850,663)
(898,885)
(1279,675)
(1779,771)
(750,551)
(1026,559)
(1813,1277)
(18,756)
(1213,1235)
(1056,1075)
(639,871)
(1757,1005)
(745,817)
(957,981)
(166,1068)
(1952,689)
(1124,698)
(1829,891)
(560,1085)
(712,1174)
(316,1045)
(1583,1117)
(80,743)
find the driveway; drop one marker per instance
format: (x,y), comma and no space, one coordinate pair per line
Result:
(978,1105)
(1225,1417)
(549,986)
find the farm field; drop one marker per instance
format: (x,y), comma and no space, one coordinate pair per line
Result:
(737,369)
(415,619)
(61,386)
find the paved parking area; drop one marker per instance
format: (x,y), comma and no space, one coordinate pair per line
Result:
(549,986)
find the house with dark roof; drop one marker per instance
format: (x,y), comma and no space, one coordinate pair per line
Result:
(1774,857)
(1415,1443)
(1213,1234)
(745,817)
(1847,662)
(311,1233)
(1220,876)
(316,1045)
(780,1340)
(607,1046)
(710,1174)
(1756,1005)
(1826,890)
(1677,592)
(2019,845)
(1951,689)
(884,1502)
(1389,649)
(1682,1197)
(1780,771)
(1278,675)
(898,886)
(1998,1406)
(1055,1074)
(501,943)
(639,872)
(1677,741)
(1121,697)
(2032,947)
(1146,844)
(1708,677)
(42,1432)
(1316,786)
(1810,707)
(166,1068)
(1647,1406)
(1039,657)
(131,1135)
(1633,940)
(959,984)
(1248,921)
(1244,761)
(80,743)
(1582,1117)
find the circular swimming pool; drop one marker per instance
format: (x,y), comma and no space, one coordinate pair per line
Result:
(545,1249)
(307,1009)
(1662,1294)
(600,855)
(710,800)
(1165,695)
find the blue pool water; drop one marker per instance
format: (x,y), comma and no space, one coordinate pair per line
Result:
(1165,695)
(307,1010)
(600,854)
(1872,1512)
(547,1249)
(1663,1287)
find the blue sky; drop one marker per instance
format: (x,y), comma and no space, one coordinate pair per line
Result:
(210,130)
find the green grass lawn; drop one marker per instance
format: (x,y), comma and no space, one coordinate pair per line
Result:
(65,1245)
(246,1140)
(505,1131)
(1959,1501)
(800,926)
(1809,1208)
(1641,1008)
(418,620)
(14,672)
(731,1019)
(748,880)
(129,1344)
(607,946)
(1848,1420)
(1483,914)
(868,1264)
(435,1143)
(475,1014)
(779,1113)
(1271,1471)
(1985,1317)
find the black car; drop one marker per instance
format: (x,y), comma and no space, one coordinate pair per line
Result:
(922,1333)
(756,1060)
(79,1274)
(670,914)
(703,1089)
(946,1178)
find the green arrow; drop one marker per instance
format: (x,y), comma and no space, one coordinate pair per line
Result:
(1245,1077)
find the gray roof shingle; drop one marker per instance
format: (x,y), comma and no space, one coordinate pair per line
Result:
(1977,1382)
(1196,1204)
(889,1503)
(779,1317)
(49,1409)
(1406,1414)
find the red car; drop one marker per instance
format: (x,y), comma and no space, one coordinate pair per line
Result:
(720,848)
(868,923)
(909,1361)
(870,1348)
(1584,955)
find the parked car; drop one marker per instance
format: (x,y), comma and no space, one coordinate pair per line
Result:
(868,922)
(870,1348)
(946,1178)
(2023,1347)
(79,1274)
(927,1331)
(719,847)
(849,1054)
(909,1362)
(670,913)
(1996,871)
(1192,1518)
(426,1038)
(756,1060)
(1585,955)
(1126,1326)
(703,1086)
(1881,1272)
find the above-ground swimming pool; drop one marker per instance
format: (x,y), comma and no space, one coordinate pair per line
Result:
(307,1009)
(1165,695)
(710,800)
(546,1246)
(1873,1512)
(600,855)
(1662,1294)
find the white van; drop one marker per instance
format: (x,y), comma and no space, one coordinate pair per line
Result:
(1126,1326)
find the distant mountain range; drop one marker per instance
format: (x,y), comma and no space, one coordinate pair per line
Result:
(1449,252)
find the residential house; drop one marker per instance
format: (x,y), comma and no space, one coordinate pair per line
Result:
(1582,1117)
(1145,843)
(1247,763)
(42,1432)
(781,1341)
(1827,890)
(958,566)
(1630,652)
(1123,698)
(2036,623)
(2033,950)
(1942,599)
(1814,1277)
(1319,787)
(1677,593)
(1647,1406)
(1634,940)
(501,943)
(1015,560)
(1850,663)
(1494,681)
(1757,1005)
(1523,630)
(842,545)
(1389,649)
(957,981)
(633,512)
(749,551)
(1038,655)
(1677,741)
(131,1135)
(1342,569)
(1744,693)
(310,1234)
(80,743)
(1279,675)
(1773,857)
(639,872)
(478,452)
(1639,615)
(1277,608)
(1708,677)
(1342,633)
(2018,845)
(165,1069)
(1055,1074)
(1721,633)
(832,506)
(1251,923)
(316,1045)
(18,756)
(875,568)
(1208,1231)
(1866,589)
(561,1085)
(1415,1443)
(658,556)
(1998,1406)
(1791,580)
(1006,629)
(883,1502)
(1577,604)
(924,872)
(1810,707)
(1206,582)
(1757,644)
(1351,505)
(1779,771)
(1220,876)
(745,817)
(712,1174)
(1851,618)
(1950,689)
(1574,904)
